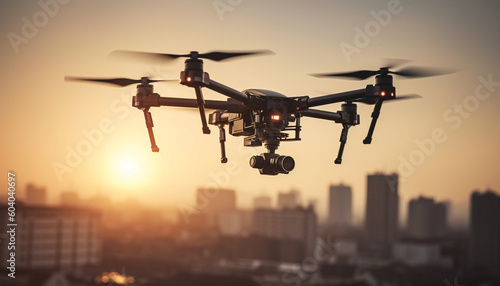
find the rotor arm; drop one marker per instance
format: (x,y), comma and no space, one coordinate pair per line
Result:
(321,114)
(209,104)
(227,91)
(339,97)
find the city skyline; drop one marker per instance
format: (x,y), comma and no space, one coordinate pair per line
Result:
(83,137)
(271,202)
(89,239)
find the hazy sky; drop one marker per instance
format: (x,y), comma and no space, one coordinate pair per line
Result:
(45,119)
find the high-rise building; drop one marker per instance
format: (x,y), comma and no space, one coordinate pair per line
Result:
(381,215)
(441,222)
(340,206)
(485,230)
(262,202)
(35,195)
(426,218)
(291,225)
(289,200)
(50,238)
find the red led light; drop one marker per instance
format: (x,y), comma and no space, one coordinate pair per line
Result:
(275,117)
(392,94)
(189,78)
(382,93)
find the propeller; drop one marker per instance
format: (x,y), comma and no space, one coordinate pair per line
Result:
(121,81)
(410,72)
(214,56)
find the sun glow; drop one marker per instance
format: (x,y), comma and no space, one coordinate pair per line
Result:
(127,170)
(129,166)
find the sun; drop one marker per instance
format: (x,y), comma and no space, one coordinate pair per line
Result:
(128,166)
(126,171)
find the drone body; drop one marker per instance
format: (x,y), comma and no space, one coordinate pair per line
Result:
(262,117)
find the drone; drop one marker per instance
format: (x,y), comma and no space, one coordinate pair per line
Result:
(263,117)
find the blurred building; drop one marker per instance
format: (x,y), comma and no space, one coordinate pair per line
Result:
(216,209)
(289,200)
(50,238)
(215,200)
(294,228)
(262,202)
(381,215)
(421,253)
(484,248)
(236,222)
(340,206)
(35,195)
(441,210)
(346,248)
(70,199)
(99,202)
(426,218)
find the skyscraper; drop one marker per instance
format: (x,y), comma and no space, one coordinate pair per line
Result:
(426,218)
(381,216)
(293,225)
(441,221)
(485,230)
(340,206)
(288,200)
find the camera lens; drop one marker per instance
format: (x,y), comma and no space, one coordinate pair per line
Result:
(257,162)
(286,163)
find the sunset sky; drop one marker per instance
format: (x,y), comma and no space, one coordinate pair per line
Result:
(45,119)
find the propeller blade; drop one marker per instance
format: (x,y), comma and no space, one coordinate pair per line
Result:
(417,72)
(215,56)
(115,81)
(143,56)
(412,72)
(221,56)
(361,74)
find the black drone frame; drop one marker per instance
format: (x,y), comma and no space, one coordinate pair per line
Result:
(263,116)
